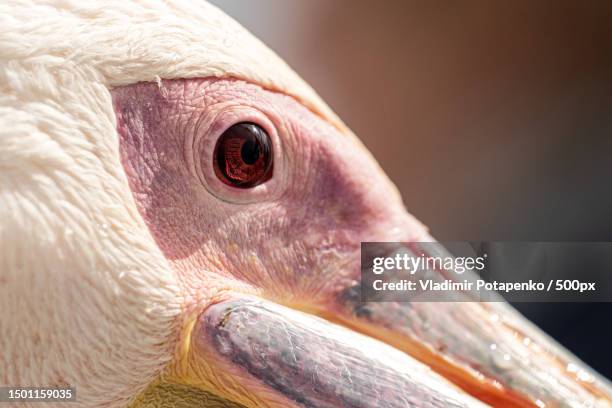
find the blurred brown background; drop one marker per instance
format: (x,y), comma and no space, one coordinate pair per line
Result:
(493,118)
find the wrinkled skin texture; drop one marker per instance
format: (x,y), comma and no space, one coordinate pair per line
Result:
(103,295)
(295,240)
(299,233)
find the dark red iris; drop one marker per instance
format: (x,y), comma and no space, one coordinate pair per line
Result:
(243,156)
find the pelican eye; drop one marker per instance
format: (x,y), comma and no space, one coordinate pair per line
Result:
(243,156)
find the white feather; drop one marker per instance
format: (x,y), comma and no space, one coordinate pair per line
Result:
(86,297)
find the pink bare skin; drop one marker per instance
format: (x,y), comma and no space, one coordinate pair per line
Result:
(295,238)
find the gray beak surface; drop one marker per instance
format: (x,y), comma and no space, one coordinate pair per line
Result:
(486,348)
(302,360)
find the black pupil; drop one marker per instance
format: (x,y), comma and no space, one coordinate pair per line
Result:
(250,151)
(243,155)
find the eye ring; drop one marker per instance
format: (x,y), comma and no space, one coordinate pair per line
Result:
(200,148)
(243,156)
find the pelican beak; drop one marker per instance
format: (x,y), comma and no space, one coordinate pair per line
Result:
(252,352)
(261,354)
(486,348)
